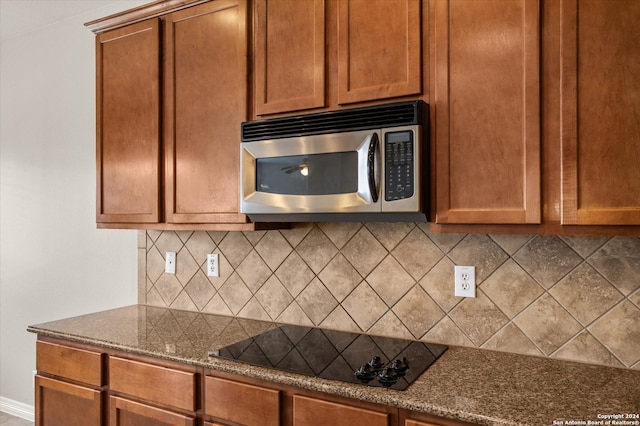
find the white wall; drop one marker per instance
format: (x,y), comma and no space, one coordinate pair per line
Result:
(54,263)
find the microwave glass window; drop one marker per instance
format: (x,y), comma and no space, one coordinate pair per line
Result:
(314,174)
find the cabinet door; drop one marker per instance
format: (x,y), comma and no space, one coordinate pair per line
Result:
(379,49)
(128,124)
(62,403)
(205,102)
(600,110)
(289,55)
(123,412)
(487,125)
(316,412)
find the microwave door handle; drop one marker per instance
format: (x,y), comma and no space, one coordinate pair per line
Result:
(371,158)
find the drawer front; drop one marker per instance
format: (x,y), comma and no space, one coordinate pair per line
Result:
(161,385)
(241,403)
(129,413)
(71,363)
(62,403)
(316,412)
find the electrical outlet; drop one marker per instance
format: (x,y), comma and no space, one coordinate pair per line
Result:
(170,262)
(212,265)
(465,281)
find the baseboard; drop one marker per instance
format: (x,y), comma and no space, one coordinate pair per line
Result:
(16,408)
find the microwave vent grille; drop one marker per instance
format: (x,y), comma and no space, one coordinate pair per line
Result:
(374,117)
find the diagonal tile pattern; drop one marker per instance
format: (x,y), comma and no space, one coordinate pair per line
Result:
(563,297)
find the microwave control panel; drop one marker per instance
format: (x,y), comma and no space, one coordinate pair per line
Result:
(399,165)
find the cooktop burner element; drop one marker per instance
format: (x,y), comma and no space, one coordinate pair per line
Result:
(337,355)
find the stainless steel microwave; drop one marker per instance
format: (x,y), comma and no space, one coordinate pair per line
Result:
(363,164)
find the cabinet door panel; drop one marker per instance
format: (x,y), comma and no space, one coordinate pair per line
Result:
(205,102)
(128,124)
(600,108)
(379,49)
(260,406)
(123,412)
(289,55)
(487,96)
(71,363)
(316,412)
(61,403)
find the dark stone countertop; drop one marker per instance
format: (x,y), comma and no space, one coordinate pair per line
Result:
(473,385)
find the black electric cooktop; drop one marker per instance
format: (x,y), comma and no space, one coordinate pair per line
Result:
(337,355)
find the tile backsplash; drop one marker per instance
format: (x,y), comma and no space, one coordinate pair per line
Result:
(575,298)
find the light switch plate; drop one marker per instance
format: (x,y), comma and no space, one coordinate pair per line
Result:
(170,262)
(465,281)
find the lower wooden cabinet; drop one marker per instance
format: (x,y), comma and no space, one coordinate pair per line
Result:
(318,412)
(123,412)
(62,403)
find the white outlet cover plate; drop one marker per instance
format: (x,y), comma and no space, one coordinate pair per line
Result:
(212,265)
(170,262)
(465,281)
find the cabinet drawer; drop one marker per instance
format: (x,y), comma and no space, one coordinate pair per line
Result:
(161,385)
(71,363)
(129,413)
(316,412)
(62,403)
(260,406)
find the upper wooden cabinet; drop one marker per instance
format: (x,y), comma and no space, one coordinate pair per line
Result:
(329,53)
(485,95)
(172,92)
(600,102)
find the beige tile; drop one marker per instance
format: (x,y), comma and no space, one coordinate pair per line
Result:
(199,245)
(274,249)
(418,312)
(619,262)
(184,235)
(585,294)
(390,280)
(153,235)
(186,266)
(389,234)
(294,274)
(183,302)
(586,348)
(273,297)
(254,310)
(340,320)
(447,332)
(619,331)
(253,271)
(295,315)
(391,326)
(511,339)
(235,293)
(511,288)
(584,245)
(340,232)
(510,243)
(316,250)
(445,242)
(478,318)
(297,232)
(547,259)
(438,283)
(340,277)
(364,306)
(479,251)
(217,236)
(168,241)
(217,306)
(142,275)
(417,254)
(635,298)
(316,301)
(547,324)
(254,237)
(364,252)
(235,247)
(155,264)
(168,287)
(200,290)
(154,298)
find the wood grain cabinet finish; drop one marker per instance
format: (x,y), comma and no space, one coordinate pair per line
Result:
(154,383)
(600,112)
(289,55)
(241,403)
(379,49)
(486,102)
(205,100)
(74,364)
(317,412)
(128,124)
(62,403)
(123,412)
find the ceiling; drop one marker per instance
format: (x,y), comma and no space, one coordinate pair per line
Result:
(19,17)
